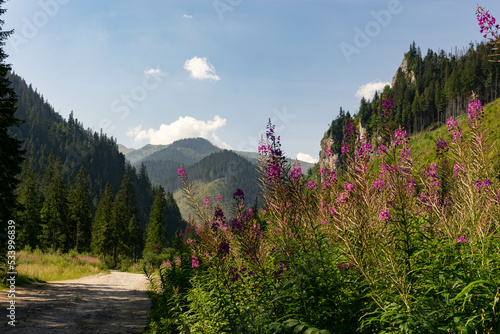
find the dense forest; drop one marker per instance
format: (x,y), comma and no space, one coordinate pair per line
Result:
(427,90)
(76,189)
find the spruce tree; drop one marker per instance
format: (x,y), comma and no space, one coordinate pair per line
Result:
(54,213)
(125,207)
(102,224)
(30,199)
(135,241)
(10,147)
(80,210)
(155,232)
(173,217)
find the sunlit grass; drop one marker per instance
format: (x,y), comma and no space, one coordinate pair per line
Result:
(35,267)
(423,144)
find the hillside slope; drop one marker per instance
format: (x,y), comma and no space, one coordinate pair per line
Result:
(424,144)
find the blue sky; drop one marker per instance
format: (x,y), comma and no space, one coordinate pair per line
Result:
(154,71)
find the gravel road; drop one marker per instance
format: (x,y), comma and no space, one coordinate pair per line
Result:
(103,303)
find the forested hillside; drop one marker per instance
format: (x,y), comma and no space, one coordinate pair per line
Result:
(427,90)
(76,189)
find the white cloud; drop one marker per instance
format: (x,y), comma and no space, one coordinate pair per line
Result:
(152,71)
(200,69)
(185,16)
(184,127)
(367,91)
(307,158)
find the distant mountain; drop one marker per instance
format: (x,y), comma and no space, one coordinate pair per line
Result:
(134,156)
(186,151)
(215,171)
(125,150)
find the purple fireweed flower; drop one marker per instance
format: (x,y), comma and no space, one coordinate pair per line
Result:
(273,172)
(454,130)
(264,149)
(181,171)
(475,111)
(405,154)
(350,131)
(236,225)
(219,199)
(239,194)
(348,187)
(223,248)
(344,266)
(328,152)
(385,216)
(432,171)
(441,147)
(487,23)
(206,202)
(365,149)
(462,239)
(219,214)
(387,107)
(381,149)
(188,241)
(482,184)
(312,185)
(235,277)
(344,149)
(342,198)
(195,263)
(378,184)
(296,173)
(332,176)
(401,137)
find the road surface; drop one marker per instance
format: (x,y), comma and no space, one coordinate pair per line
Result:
(103,303)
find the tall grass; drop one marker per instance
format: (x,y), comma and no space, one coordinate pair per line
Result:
(36,266)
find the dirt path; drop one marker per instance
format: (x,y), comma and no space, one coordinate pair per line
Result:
(103,303)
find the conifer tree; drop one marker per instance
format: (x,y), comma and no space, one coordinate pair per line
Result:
(10,147)
(102,224)
(55,212)
(80,209)
(125,208)
(135,241)
(30,199)
(173,217)
(155,231)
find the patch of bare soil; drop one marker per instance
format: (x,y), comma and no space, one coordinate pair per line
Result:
(103,303)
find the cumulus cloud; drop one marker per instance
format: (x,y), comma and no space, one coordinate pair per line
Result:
(184,127)
(367,91)
(306,157)
(185,16)
(152,71)
(200,69)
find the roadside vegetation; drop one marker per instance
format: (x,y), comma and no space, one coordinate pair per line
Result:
(35,266)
